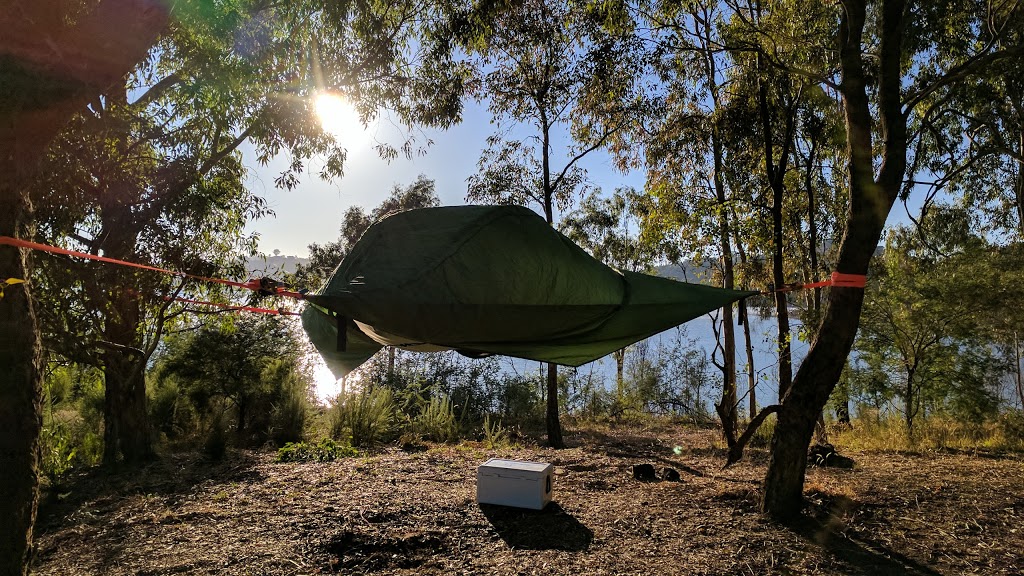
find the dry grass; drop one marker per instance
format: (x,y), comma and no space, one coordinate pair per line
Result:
(400,513)
(935,433)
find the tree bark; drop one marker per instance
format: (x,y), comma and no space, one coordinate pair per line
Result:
(749,348)
(620,382)
(554,426)
(20,378)
(61,66)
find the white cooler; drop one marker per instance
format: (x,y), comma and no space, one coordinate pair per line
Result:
(514,483)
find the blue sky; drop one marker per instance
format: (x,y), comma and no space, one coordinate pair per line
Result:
(313,211)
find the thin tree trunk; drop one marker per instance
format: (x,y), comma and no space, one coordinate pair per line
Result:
(776,179)
(748,345)
(554,427)
(1019,185)
(553,424)
(391,365)
(620,384)
(909,399)
(1017,370)
(728,404)
(749,348)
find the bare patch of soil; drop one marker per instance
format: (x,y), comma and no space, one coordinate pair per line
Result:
(400,513)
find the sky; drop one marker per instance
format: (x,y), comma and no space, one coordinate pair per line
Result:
(313,211)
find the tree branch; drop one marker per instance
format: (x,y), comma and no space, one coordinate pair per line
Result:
(736,450)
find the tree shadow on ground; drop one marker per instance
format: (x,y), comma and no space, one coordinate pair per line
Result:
(549,529)
(862,556)
(104,488)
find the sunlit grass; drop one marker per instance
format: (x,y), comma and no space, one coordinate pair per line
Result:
(890,433)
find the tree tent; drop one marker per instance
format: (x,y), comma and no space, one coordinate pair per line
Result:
(486,280)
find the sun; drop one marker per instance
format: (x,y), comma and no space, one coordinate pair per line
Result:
(339,118)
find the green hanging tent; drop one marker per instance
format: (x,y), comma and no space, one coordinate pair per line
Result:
(486,280)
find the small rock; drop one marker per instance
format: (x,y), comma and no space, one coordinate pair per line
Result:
(644,472)
(825,455)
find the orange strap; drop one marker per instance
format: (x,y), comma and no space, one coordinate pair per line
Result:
(838,280)
(255,284)
(278,312)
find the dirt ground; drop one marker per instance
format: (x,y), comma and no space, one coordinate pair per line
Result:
(393,512)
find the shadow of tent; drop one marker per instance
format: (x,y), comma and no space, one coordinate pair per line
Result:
(549,529)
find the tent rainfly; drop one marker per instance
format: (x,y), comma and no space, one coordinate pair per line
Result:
(486,280)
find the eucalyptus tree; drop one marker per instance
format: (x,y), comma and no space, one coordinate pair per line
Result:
(934,347)
(882,75)
(167,187)
(687,157)
(51,64)
(560,85)
(970,144)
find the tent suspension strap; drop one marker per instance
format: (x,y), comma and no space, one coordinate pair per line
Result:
(265,286)
(838,280)
(234,307)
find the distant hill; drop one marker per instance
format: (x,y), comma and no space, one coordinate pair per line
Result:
(274,265)
(685,272)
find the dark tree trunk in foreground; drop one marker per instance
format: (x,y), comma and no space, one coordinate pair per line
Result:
(47,70)
(20,380)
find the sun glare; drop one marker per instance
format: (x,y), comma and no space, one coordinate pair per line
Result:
(327,386)
(339,118)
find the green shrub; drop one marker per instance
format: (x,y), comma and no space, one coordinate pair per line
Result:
(495,435)
(1011,427)
(216,443)
(290,413)
(58,451)
(437,421)
(326,450)
(365,418)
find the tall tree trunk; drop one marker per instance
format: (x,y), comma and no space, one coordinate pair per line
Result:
(620,381)
(1017,370)
(20,376)
(1018,187)
(748,345)
(727,406)
(870,203)
(554,427)
(749,348)
(776,175)
(63,62)
(126,423)
(553,424)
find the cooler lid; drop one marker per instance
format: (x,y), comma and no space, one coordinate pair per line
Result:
(516,465)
